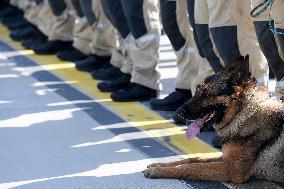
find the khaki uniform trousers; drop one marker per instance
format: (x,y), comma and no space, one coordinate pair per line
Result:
(82,35)
(62,26)
(104,35)
(277,13)
(120,57)
(23,4)
(45,18)
(144,51)
(223,14)
(119,54)
(32,12)
(125,49)
(30,8)
(278,16)
(188,58)
(138,56)
(16,2)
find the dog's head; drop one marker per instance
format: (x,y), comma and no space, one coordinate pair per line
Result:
(216,93)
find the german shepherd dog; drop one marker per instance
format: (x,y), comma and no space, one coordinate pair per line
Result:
(249,123)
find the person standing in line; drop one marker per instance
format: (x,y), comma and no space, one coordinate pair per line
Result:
(178,29)
(138,24)
(271,44)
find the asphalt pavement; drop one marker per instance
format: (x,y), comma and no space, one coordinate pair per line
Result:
(58,132)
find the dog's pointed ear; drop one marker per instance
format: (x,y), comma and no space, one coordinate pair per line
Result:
(238,70)
(231,68)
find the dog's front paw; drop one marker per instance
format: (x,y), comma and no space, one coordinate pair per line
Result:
(151,173)
(156,165)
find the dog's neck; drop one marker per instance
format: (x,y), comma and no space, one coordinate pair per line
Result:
(253,93)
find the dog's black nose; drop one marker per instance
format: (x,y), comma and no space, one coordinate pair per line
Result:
(181,115)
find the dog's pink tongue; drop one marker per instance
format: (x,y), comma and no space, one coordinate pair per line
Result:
(194,128)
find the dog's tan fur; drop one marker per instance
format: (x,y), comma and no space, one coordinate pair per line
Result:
(252,134)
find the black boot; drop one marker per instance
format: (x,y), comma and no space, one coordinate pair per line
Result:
(9,11)
(107,73)
(51,47)
(134,92)
(22,23)
(23,33)
(115,85)
(31,42)
(71,55)
(4,4)
(11,19)
(93,62)
(172,102)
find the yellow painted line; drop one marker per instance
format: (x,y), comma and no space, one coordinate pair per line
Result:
(134,113)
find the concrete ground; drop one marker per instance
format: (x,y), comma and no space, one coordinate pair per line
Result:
(56,134)
(41,137)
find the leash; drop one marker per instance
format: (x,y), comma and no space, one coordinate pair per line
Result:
(266,4)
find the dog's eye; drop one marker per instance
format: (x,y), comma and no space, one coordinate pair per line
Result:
(198,86)
(224,87)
